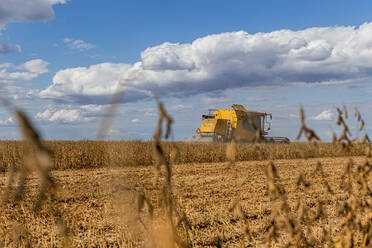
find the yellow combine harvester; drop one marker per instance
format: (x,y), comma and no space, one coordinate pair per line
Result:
(236,124)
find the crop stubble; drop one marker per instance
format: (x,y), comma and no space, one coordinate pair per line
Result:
(95,201)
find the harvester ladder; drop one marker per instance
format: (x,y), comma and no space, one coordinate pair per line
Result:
(229,129)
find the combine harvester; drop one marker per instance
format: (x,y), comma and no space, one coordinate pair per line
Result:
(239,124)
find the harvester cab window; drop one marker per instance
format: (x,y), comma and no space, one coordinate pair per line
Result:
(267,123)
(209,115)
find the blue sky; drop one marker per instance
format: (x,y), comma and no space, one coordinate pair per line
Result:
(61,60)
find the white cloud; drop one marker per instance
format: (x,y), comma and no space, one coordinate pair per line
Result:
(26,10)
(63,116)
(212,100)
(326,115)
(8,121)
(114,133)
(68,114)
(78,44)
(229,60)
(8,77)
(67,40)
(181,107)
(18,93)
(92,108)
(10,73)
(136,121)
(150,114)
(52,2)
(94,81)
(6,65)
(37,66)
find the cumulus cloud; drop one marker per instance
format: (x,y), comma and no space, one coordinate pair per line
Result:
(86,84)
(78,44)
(26,10)
(10,73)
(326,115)
(69,114)
(37,66)
(229,60)
(63,115)
(92,108)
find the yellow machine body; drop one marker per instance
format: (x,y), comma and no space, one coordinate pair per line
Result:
(214,126)
(237,123)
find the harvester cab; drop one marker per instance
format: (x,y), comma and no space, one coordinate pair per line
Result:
(236,124)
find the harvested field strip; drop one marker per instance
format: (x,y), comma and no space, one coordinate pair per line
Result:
(97,202)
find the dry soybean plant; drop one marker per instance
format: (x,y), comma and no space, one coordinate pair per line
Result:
(37,160)
(171,228)
(357,208)
(296,226)
(309,133)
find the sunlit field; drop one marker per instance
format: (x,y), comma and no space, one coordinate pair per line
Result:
(186,194)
